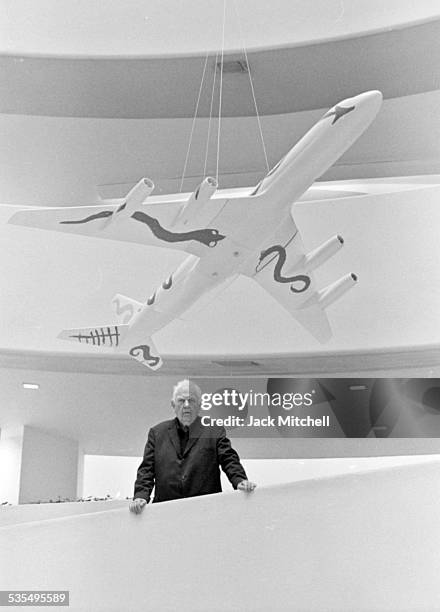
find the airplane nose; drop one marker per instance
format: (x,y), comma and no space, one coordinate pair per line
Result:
(369,101)
(373,94)
(372,98)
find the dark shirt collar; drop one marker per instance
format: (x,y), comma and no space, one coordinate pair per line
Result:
(180,427)
(193,428)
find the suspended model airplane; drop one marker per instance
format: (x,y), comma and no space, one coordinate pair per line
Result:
(239,231)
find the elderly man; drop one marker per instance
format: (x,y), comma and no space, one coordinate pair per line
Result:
(182,457)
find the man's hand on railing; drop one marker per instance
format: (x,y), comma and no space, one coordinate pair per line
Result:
(137,505)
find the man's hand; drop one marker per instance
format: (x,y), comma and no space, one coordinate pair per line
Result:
(137,505)
(246,485)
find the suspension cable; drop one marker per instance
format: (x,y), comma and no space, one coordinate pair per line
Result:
(193,123)
(252,85)
(210,115)
(221,89)
(220,102)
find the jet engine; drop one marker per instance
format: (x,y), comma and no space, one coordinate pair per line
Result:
(333,292)
(196,201)
(318,256)
(135,197)
(315,258)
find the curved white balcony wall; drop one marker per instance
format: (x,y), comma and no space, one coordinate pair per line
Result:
(61,161)
(25,513)
(366,542)
(112,475)
(152,28)
(115,475)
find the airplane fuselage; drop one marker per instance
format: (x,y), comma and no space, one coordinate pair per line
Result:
(197,276)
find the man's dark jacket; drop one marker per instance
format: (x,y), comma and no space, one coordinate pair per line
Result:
(195,472)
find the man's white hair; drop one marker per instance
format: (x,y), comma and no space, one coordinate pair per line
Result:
(188,386)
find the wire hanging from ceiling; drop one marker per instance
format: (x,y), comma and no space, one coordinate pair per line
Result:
(194,122)
(221,90)
(220,102)
(210,116)
(243,46)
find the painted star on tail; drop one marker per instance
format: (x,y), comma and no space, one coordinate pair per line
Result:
(338,112)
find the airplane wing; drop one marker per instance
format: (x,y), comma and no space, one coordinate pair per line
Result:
(284,269)
(333,190)
(150,224)
(290,290)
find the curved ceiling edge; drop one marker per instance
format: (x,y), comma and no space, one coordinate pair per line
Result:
(233,50)
(349,362)
(398,62)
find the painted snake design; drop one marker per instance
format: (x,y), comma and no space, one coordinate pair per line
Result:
(208,237)
(278,277)
(127,310)
(150,359)
(101,215)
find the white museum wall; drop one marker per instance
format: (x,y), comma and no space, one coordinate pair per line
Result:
(49,466)
(11,444)
(38,465)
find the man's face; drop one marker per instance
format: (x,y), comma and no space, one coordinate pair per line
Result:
(186,404)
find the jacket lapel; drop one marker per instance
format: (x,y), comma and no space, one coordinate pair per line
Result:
(174,437)
(194,435)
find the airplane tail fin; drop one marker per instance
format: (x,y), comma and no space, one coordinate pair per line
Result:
(111,336)
(315,322)
(147,354)
(125,308)
(99,335)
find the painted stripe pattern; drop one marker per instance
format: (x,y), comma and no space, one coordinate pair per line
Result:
(98,336)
